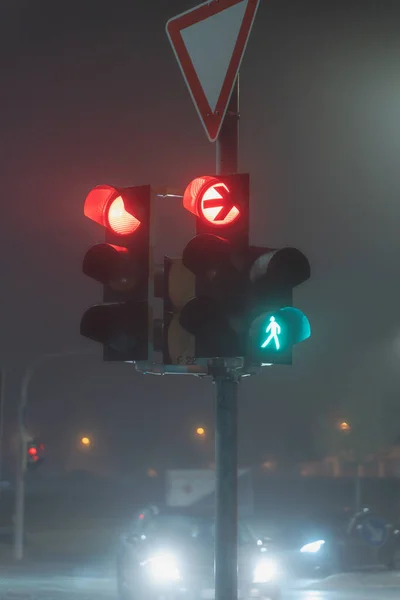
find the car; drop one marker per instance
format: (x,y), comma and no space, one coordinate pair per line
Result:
(168,553)
(332,543)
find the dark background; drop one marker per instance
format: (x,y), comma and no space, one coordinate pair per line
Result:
(91,93)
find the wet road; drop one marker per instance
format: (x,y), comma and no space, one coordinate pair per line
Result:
(17,585)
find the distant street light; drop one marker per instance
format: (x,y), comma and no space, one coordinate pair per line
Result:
(269,465)
(200,431)
(86,441)
(344,426)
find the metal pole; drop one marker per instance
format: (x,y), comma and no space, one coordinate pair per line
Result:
(21,465)
(19,500)
(226,577)
(227,145)
(357,486)
(22,449)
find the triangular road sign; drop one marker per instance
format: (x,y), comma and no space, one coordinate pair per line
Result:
(209,42)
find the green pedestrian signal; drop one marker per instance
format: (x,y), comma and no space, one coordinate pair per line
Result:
(274,330)
(273,334)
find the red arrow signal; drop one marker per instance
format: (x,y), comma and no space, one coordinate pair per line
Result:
(217,206)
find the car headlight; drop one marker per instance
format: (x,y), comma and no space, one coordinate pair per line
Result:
(313,546)
(163,567)
(265,571)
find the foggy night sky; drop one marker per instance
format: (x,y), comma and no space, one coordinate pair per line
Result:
(91,93)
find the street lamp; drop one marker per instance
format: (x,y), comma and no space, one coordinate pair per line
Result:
(86,441)
(344,427)
(23,440)
(200,432)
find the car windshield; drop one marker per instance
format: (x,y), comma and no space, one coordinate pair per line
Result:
(197,528)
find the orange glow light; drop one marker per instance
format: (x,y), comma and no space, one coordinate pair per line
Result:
(344,426)
(85,441)
(200,431)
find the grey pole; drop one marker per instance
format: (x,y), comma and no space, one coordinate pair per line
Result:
(19,515)
(226,558)
(226,417)
(21,464)
(20,490)
(227,145)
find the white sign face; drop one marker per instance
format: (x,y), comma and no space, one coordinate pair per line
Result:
(209,42)
(189,487)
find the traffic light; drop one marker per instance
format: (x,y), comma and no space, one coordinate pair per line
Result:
(275,326)
(215,315)
(243,301)
(122,264)
(34,455)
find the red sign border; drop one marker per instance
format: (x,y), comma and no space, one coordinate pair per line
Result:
(212,121)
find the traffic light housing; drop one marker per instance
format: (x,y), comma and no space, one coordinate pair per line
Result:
(34,455)
(214,315)
(275,326)
(122,323)
(241,290)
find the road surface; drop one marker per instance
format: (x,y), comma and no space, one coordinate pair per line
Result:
(18,584)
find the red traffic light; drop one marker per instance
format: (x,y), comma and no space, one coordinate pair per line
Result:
(35,454)
(105,205)
(212,200)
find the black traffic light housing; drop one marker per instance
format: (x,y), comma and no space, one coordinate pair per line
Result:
(214,315)
(274,325)
(239,288)
(122,264)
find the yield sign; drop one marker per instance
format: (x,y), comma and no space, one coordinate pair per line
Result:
(209,42)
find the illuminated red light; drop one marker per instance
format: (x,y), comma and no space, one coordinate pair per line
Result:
(210,198)
(32,451)
(119,220)
(141,516)
(105,205)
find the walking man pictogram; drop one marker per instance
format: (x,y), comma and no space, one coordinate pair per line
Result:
(274,330)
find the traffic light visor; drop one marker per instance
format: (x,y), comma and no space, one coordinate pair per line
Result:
(106,263)
(105,205)
(212,200)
